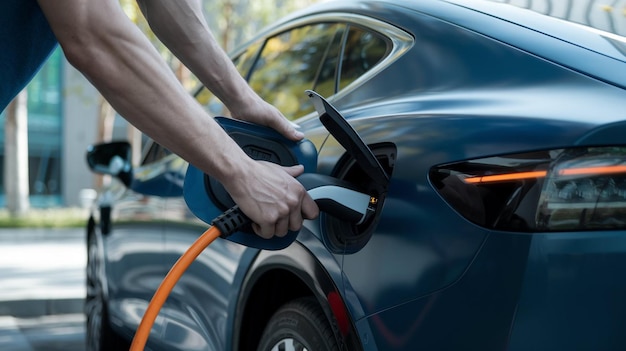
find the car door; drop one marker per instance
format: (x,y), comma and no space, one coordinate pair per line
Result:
(133,233)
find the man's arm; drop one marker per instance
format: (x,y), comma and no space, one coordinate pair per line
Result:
(101,42)
(182,27)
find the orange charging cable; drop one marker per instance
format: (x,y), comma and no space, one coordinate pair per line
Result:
(224,225)
(177,270)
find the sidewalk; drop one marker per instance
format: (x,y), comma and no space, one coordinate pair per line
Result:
(42,271)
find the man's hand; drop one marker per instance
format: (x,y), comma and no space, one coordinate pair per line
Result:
(260,112)
(272,198)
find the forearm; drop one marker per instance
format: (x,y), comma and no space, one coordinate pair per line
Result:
(109,50)
(115,56)
(181,26)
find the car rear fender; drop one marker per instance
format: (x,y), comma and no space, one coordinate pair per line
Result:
(276,277)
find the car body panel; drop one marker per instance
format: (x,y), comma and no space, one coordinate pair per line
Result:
(566,43)
(193,323)
(515,281)
(477,310)
(572,269)
(606,43)
(133,244)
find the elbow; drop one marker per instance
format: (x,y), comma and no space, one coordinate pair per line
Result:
(74,55)
(94,54)
(79,50)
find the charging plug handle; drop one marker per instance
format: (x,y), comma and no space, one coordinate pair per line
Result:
(336,197)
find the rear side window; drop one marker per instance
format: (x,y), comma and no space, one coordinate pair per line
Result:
(326,81)
(363,50)
(289,64)
(245,61)
(325,57)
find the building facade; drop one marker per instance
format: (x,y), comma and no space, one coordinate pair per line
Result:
(62,122)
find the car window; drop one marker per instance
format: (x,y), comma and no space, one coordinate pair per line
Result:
(302,58)
(245,61)
(155,153)
(326,80)
(289,64)
(363,50)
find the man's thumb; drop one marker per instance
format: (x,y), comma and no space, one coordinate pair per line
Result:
(294,171)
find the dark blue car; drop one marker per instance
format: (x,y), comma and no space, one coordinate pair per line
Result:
(503,227)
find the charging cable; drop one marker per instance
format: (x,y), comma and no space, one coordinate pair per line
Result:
(224,225)
(332,195)
(177,270)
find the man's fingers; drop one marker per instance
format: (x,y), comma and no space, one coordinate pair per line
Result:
(284,207)
(309,208)
(265,232)
(289,130)
(294,171)
(284,126)
(281,228)
(295,220)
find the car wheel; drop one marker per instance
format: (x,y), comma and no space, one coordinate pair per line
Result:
(99,335)
(299,325)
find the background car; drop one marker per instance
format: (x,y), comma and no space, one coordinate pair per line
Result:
(504,224)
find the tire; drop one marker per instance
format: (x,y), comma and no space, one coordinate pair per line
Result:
(99,335)
(299,325)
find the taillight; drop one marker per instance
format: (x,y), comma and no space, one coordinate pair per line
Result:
(555,190)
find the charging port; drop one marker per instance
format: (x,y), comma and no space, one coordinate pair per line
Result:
(342,236)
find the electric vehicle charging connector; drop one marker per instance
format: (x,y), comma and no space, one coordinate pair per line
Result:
(330,196)
(336,197)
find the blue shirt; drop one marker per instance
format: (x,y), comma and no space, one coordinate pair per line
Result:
(26,41)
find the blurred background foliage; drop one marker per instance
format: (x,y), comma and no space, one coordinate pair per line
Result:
(232,23)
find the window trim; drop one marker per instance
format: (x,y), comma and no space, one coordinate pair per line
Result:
(401,42)
(346,34)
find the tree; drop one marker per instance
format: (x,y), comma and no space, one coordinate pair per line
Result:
(235,21)
(16,155)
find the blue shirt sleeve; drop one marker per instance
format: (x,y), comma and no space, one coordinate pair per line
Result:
(26,41)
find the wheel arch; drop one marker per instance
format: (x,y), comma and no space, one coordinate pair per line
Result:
(277,277)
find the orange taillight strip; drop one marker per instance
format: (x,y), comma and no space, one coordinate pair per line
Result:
(593,170)
(505,177)
(541,174)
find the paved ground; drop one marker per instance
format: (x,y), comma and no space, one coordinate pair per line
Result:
(42,286)
(65,332)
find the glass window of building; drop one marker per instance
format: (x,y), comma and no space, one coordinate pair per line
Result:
(44,135)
